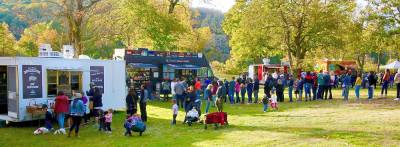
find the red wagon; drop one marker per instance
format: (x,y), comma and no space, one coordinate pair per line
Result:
(216,118)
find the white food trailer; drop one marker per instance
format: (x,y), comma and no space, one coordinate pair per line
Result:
(34,81)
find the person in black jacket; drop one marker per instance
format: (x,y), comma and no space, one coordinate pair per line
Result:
(256,89)
(97,101)
(372,82)
(142,103)
(268,86)
(131,102)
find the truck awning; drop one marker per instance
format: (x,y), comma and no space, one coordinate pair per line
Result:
(184,66)
(141,65)
(65,68)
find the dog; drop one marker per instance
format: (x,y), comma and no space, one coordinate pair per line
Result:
(41,130)
(60,131)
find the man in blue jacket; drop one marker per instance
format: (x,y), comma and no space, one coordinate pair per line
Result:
(231,90)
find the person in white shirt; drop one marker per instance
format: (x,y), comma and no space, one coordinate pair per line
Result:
(174,111)
(191,116)
(273,100)
(173,83)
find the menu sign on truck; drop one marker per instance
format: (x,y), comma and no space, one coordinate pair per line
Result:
(32,81)
(97,77)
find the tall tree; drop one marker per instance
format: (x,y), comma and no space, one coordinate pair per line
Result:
(7,41)
(293,28)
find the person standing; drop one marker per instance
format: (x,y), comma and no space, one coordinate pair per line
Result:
(249,89)
(371,85)
(208,96)
(173,84)
(397,82)
(299,88)
(214,92)
(358,87)
(314,85)
(131,102)
(243,91)
(197,88)
(256,89)
(179,93)
(231,91)
(237,90)
(307,86)
(226,85)
(280,89)
(290,84)
(327,88)
(97,102)
(61,107)
(220,96)
(385,82)
(85,101)
(77,110)
(142,103)
(174,111)
(321,85)
(166,89)
(346,86)
(268,85)
(331,83)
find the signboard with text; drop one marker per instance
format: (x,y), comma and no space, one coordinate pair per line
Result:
(97,77)
(32,81)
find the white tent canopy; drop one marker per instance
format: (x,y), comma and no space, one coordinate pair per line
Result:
(393,65)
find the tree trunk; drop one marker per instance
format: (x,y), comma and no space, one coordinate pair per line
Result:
(361,63)
(172,4)
(379,61)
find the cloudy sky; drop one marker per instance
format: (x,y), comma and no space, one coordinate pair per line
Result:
(225,5)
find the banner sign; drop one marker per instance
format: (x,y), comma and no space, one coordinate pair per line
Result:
(97,77)
(32,81)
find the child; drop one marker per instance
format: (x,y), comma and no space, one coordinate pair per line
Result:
(273,101)
(108,120)
(101,120)
(265,103)
(174,111)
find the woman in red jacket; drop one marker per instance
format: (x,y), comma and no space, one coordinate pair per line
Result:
(61,108)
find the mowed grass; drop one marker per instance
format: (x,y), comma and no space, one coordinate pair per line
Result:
(317,123)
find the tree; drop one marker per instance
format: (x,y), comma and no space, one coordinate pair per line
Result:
(262,28)
(36,35)
(7,41)
(74,14)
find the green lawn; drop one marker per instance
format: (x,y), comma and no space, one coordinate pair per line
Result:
(317,123)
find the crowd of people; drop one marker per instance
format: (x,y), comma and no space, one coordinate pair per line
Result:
(189,94)
(305,86)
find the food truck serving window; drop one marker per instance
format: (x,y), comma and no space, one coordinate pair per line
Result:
(66,81)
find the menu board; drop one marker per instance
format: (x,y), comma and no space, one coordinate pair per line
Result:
(97,77)
(32,81)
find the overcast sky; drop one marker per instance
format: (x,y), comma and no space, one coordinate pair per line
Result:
(225,5)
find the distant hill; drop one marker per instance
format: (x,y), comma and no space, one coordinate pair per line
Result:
(213,19)
(15,24)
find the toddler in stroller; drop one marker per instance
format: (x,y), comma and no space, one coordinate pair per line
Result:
(192,116)
(134,123)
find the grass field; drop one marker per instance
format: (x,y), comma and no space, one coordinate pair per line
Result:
(317,123)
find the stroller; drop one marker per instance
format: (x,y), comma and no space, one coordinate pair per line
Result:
(216,118)
(192,116)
